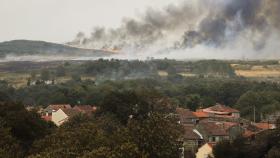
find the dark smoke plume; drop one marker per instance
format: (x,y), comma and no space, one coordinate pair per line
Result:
(211,23)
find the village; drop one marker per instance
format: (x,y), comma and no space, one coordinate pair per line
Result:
(203,128)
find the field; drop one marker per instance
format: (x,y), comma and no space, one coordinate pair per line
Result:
(162,73)
(15,79)
(17,73)
(257,71)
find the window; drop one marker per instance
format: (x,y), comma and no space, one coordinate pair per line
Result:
(212,139)
(217,139)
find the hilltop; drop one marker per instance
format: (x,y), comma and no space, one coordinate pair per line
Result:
(27,47)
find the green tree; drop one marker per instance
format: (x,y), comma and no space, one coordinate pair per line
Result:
(60,71)
(264,102)
(125,150)
(76,78)
(9,146)
(33,75)
(101,137)
(157,135)
(265,145)
(28,82)
(24,126)
(193,101)
(125,104)
(274,152)
(45,74)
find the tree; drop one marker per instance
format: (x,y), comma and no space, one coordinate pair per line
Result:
(60,71)
(125,104)
(274,152)
(33,75)
(265,102)
(102,137)
(265,145)
(76,78)
(235,149)
(28,82)
(176,78)
(9,146)
(125,150)
(45,74)
(193,101)
(157,135)
(24,126)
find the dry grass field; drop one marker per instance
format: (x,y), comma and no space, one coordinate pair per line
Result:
(15,79)
(188,74)
(162,73)
(257,71)
(19,80)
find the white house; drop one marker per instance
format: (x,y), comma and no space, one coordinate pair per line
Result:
(205,151)
(62,115)
(59,117)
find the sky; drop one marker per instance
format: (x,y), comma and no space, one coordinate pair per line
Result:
(60,20)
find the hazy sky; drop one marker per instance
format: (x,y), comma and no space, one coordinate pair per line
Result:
(60,20)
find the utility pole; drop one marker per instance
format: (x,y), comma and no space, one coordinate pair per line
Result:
(254,114)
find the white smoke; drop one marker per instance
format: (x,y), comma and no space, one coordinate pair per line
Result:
(220,29)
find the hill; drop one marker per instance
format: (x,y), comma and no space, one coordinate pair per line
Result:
(26,47)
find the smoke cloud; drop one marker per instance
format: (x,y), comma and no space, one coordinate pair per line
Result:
(250,27)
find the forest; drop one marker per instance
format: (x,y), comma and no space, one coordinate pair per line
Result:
(121,89)
(213,82)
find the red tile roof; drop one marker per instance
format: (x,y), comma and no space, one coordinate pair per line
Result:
(186,116)
(227,125)
(85,108)
(264,125)
(70,112)
(59,106)
(248,133)
(185,113)
(213,129)
(47,118)
(201,114)
(190,134)
(220,109)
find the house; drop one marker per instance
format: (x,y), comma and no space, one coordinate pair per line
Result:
(38,82)
(248,134)
(192,139)
(186,116)
(62,115)
(46,113)
(212,132)
(47,117)
(85,109)
(253,129)
(272,118)
(52,108)
(233,129)
(59,106)
(221,111)
(205,151)
(265,125)
(200,115)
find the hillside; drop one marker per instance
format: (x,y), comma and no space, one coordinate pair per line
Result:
(26,47)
